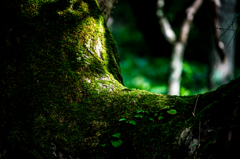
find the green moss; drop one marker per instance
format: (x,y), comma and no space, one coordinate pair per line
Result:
(62,84)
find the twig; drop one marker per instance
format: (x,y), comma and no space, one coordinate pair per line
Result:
(195,107)
(224,29)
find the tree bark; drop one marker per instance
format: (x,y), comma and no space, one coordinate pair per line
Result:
(62,94)
(179,48)
(106,7)
(221,68)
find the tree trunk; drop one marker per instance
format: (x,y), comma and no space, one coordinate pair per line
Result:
(179,48)
(62,94)
(222,71)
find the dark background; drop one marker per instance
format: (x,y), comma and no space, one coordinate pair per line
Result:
(145,54)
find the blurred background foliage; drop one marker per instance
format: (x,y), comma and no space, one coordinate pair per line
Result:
(145,63)
(152,75)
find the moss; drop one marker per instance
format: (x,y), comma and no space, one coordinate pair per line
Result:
(62,85)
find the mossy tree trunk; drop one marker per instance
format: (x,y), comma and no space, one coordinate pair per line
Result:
(61,87)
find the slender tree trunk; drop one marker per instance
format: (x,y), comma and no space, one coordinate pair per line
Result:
(179,48)
(222,71)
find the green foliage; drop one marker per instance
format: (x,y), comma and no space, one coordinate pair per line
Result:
(152,75)
(117,135)
(194,78)
(142,74)
(172,111)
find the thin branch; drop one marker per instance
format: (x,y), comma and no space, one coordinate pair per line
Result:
(224,29)
(195,107)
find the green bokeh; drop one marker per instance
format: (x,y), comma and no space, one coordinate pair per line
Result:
(152,75)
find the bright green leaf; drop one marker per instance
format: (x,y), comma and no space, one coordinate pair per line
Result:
(116,143)
(117,135)
(139,111)
(122,119)
(172,111)
(138,115)
(166,107)
(132,122)
(160,117)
